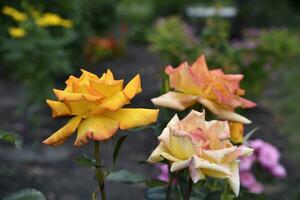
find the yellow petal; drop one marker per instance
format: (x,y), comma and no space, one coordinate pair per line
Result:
(62,134)
(212,169)
(115,102)
(173,124)
(96,128)
(69,83)
(156,154)
(58,108)
(80,107)
(181,146)
(88,74)
(179,165)
(219,154)
(133,117)
(174,100)
(107,90)
(133,87)
(68,96)
(221,112)
(169,157)
(234,179)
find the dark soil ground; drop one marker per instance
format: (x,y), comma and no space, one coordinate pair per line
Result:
(54,170)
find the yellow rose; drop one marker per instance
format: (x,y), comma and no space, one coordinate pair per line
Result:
(95,105)
(201,146)
(16,32)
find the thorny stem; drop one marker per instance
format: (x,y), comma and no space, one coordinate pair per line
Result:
(99,173)
(189,191)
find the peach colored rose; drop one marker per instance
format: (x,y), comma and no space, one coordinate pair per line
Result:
(201,146)
(218,92)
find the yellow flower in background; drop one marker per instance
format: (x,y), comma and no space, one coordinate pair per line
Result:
(51,19)
(218,92)
(16,32)
(95,105)
(201,146)
(15,14)
(236,132)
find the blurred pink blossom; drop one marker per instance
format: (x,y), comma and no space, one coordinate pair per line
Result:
(279,171)
(247,162)
(164,172)
(256,144)
(247,179)
(268,156)
(257,188)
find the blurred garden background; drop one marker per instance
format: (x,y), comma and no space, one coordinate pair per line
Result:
(43,42)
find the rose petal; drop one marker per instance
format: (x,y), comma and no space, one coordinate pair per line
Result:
(133,117)
(156,154)
(96,128)
(62,134)
(58,108)
(223,113)
(133,87)
(174,100)
(234,179)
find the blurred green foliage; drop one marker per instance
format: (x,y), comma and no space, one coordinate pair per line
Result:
(173,40)
(37,57)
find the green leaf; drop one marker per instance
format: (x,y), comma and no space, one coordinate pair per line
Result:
(11,138)
(117,148)
(125,176)
(216,195)
(85,160)
(157,193)
(248,135)
(26,194)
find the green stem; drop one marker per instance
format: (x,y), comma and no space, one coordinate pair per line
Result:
(169,188)
(99,173)
(189,191)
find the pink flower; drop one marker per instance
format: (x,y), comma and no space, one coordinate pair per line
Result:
(268,156)
(247,179)
(257,144)
(257,188)
(278,171)
(247,162)
(164,172)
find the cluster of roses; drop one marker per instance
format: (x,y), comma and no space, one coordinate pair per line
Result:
(203,147)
